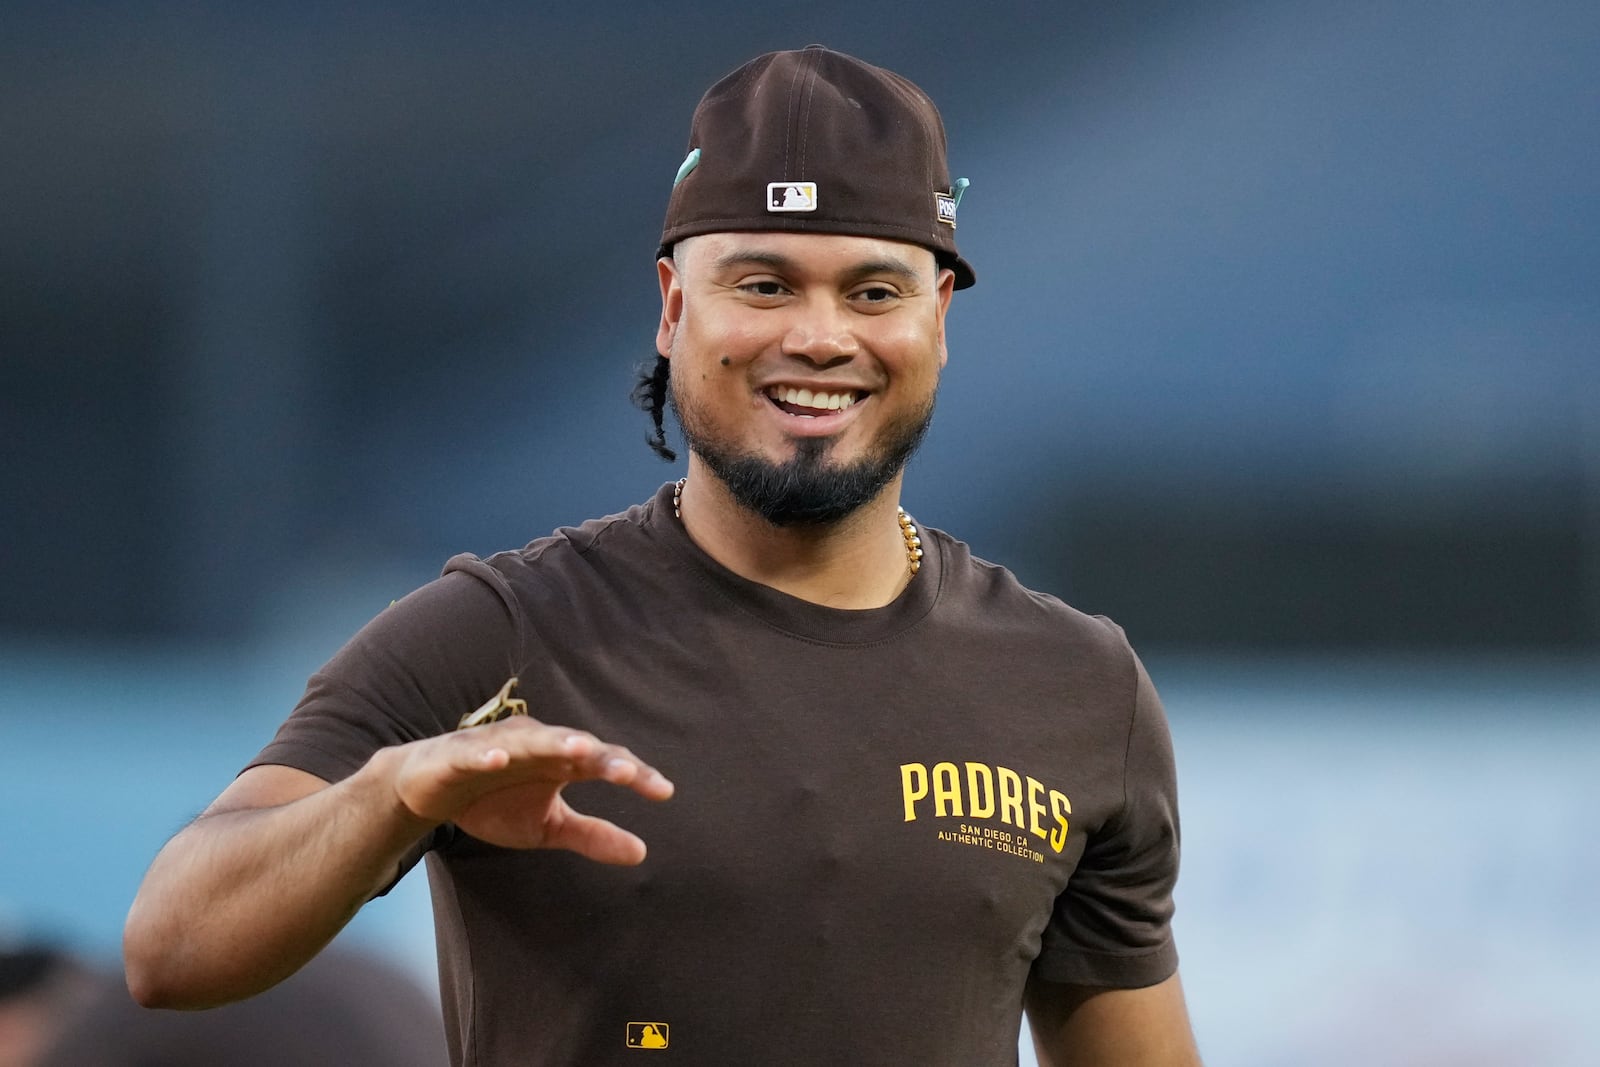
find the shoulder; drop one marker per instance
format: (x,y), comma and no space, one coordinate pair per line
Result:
(989,595)
(578,571)
(567,549)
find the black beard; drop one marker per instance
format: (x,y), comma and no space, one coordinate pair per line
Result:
(806,490)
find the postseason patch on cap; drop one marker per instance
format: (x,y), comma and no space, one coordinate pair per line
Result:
(791,196)
(947,208)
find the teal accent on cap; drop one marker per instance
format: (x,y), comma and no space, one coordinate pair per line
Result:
(961,187)
(691,161)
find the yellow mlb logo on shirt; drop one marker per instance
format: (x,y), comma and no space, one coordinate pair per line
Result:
(647,1035)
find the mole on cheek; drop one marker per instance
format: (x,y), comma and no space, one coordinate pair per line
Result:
(726,361)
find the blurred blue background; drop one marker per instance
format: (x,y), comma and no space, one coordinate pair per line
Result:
(1283,354)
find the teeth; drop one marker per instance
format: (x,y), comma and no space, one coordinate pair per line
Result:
(805,398)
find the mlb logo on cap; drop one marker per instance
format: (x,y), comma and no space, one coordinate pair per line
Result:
(792,196)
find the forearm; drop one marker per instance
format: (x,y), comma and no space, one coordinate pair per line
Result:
(240,900)
(252,890)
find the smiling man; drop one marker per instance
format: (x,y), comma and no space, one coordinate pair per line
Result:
(806,366)
(827,347)
(908,798)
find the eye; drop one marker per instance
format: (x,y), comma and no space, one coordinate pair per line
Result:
(766,288)
(875,294)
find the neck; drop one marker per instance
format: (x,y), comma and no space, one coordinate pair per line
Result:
(858,562)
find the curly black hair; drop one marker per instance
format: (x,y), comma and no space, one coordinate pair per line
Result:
(650,395)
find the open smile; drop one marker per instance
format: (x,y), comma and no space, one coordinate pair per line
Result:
(811,404)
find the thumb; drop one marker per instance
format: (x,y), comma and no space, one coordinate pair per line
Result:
(594,838)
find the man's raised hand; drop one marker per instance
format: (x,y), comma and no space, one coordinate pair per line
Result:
(502,784)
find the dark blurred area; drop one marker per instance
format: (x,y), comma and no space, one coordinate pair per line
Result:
(348,1006)
(1285,333)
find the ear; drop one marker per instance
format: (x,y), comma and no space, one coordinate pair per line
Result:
(946,290)
(671,304)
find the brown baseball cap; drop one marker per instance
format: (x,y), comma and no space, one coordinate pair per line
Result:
(815,141)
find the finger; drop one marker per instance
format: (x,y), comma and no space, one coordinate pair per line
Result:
(595,839)
(563,754)
(468,763)
(622,767)
(559,752)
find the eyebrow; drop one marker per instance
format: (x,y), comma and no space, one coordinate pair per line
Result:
(784,265)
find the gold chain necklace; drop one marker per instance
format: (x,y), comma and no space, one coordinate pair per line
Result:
(908,529)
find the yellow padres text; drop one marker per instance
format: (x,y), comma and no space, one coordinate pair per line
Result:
(981,792)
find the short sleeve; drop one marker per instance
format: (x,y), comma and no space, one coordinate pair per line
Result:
(1112,925)
(410,673)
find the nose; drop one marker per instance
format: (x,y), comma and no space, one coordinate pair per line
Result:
(821,333)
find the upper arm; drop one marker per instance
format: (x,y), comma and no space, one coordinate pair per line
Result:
(1080,1026)
(265,786)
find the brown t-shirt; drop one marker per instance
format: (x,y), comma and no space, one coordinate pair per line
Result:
(884,819)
